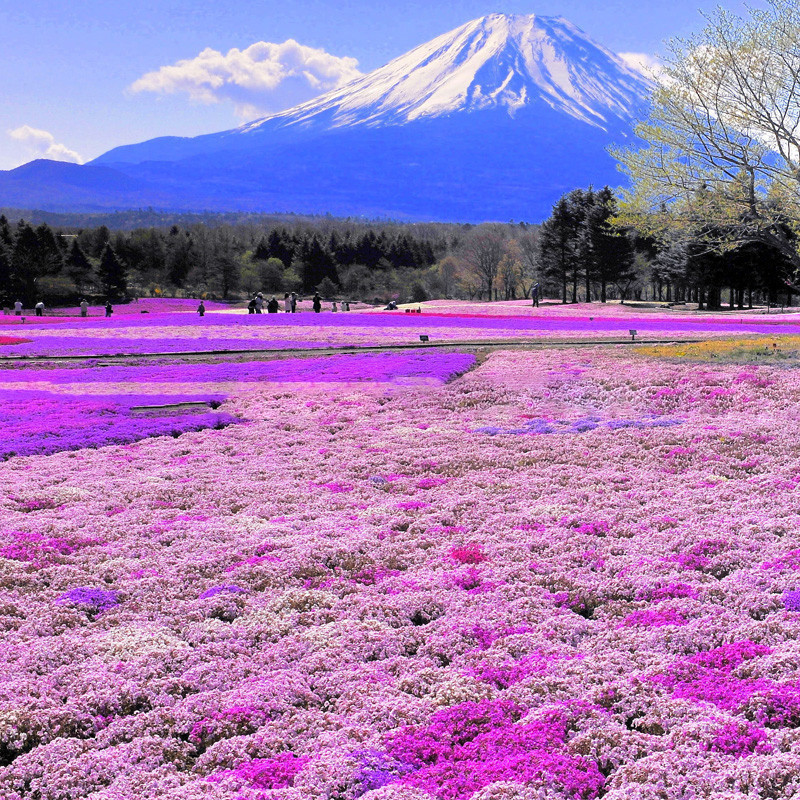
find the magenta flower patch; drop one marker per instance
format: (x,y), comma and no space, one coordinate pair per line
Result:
(471,745)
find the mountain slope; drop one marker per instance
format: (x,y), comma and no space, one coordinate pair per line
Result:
(493,120)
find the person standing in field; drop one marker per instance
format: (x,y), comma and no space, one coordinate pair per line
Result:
(84,308)
(294,302)
(317,303)
(201,309)
(109,308)
(535,295)
(287,303)
(259,303)
(18,308)
(272,306)
(39,308)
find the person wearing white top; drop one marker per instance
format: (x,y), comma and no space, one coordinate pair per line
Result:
(287,303)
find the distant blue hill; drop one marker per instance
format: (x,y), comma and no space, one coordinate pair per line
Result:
(492,121)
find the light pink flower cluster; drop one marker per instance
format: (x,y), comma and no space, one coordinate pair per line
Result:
(357,593)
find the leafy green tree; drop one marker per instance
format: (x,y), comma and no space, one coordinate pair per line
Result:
(270,274)
(327,288)
(721,161)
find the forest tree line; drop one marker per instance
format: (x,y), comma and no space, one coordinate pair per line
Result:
(577,254)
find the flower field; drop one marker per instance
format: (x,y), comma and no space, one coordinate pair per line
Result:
(557,574)
(182,332)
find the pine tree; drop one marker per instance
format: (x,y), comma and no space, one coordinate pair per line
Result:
(112,274)
(77,267)
(558,244)
(179,256)
(26,264)
(6,237)
(5,276)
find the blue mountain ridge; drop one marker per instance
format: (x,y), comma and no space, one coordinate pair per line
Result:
(493,121)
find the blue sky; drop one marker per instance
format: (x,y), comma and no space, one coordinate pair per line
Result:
(81,78)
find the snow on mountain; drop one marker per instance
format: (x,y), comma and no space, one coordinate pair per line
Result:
(497,61)
(494,120)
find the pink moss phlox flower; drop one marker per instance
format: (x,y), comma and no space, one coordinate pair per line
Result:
(266,773)
(430,483)
(596,528)
(474,744)
(651,618)
(509,673)
(670,591)
(468,554)
(739,739)
(335,487)
(709,676)
(38,549)
(698,557)
(468,579)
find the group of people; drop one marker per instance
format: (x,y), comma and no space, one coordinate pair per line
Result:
(38,309)
(257,304)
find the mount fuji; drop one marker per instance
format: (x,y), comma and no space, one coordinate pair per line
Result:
(492,121)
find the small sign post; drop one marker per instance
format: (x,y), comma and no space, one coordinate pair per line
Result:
(633,334)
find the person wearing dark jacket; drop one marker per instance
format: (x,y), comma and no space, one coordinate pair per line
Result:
(272,306)
(317,303)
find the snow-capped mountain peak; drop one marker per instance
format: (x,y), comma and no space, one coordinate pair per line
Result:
(499,61)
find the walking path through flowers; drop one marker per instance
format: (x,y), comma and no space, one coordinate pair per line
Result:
(562,573)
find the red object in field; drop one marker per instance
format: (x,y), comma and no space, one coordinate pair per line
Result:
(13,340)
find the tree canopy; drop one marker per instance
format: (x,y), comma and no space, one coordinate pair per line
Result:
(722,155)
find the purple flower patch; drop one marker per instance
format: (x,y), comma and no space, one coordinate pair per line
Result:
(95,600)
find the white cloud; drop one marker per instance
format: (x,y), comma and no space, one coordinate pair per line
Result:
(649,65)
(262,78)
(43,144)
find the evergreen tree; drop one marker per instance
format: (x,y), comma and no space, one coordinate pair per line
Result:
(317,264)
(6,236)
(262,251)
(78,268)
(27,266)
(50,255)
(112,274)
(178,259)
(5,276)
(280,245)
(558,244)
(607,253)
